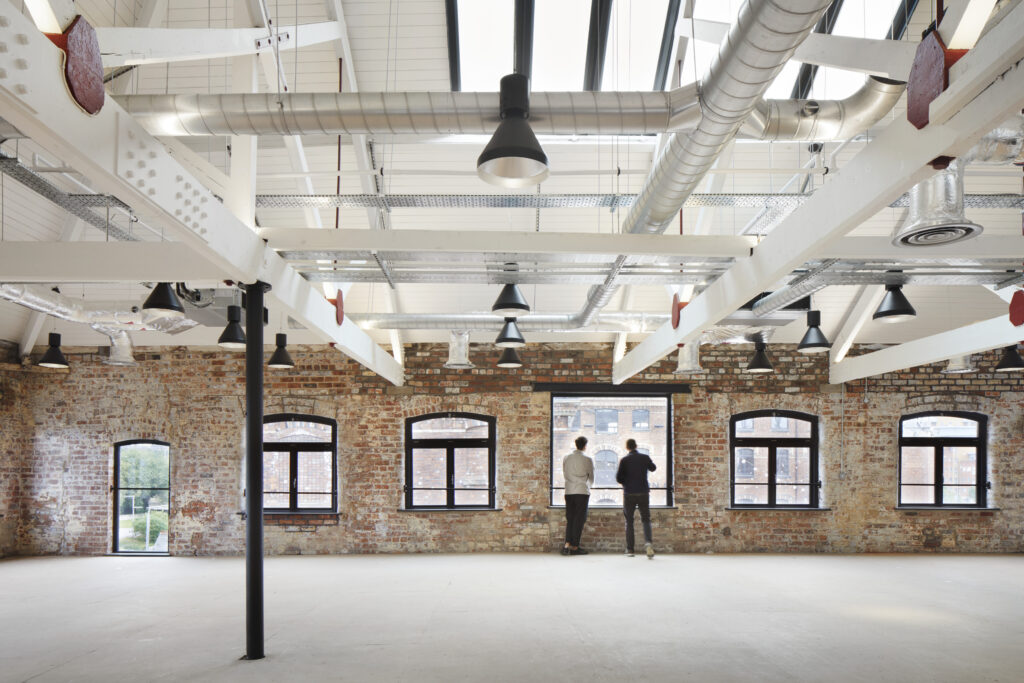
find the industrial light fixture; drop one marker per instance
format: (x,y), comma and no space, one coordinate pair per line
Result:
(814,340)
(1011,360)
(510,302)
(510,359)
(162,302)
(895,308)
(513,157)
(233,336)
(760,363)
(510,337)
(53,358)
(959,365)
(281,358)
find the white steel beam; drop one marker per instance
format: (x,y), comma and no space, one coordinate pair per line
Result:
(863,306)
(122,46)
(889,165)
(46,262)
(457,241)
(72,229)
(963,22)
(51,16)
(888,58)
(122,159)
(963,341)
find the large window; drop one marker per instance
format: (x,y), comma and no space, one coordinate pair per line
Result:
(142,496)
(942,460)
(607,420)
(774,460)
(300,464)
(449,461)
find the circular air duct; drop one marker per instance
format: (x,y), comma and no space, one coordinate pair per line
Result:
(936,213)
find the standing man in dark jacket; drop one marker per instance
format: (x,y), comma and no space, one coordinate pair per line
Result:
(632,474)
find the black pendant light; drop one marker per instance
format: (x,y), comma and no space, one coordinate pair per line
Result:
(510,359)
(895,308)
(233,336)
(760,363)
(513,157)
(162,302)
(510,337)
(1011,360)
(814,340)
(510,303)
(53,358)
(281,358)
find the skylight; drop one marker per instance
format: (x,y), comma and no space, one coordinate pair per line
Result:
(560,45)
(486,36)
(633,43)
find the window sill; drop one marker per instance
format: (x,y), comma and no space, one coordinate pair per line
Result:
(129,553)
(942,508)
(776,509)
(467,509)
(616,508)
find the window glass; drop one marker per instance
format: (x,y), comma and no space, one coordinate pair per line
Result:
(942,460)
(299,464)
(959,465)
(450,461)
(607,422)
(940,426)
(774,460)
(141,497)
(773,427)
(297,431)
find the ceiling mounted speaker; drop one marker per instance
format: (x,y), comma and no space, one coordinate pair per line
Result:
(936,212)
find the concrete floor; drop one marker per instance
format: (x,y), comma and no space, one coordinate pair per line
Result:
(519,618)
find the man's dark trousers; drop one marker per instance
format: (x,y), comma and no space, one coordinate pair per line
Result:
(575,517)
(630,502)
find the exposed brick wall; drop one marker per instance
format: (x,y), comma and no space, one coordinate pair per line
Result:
(59,428)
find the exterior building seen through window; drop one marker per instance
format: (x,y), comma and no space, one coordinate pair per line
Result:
(607,421)
(943,460)
(300,464)
(774,460)
(449,461)
(142,496)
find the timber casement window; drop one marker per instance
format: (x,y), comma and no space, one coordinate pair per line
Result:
(300,464)
(449,461)
(943,460)
(607,421)
(774,459)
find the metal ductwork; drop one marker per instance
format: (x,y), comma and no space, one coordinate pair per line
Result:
(458,351)
(688,360)
(936,214)
(114,324)
(758,45)
(448,113)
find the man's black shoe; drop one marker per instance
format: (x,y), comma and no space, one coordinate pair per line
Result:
(579,551)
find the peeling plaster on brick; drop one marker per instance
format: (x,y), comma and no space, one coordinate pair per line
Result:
(59,428)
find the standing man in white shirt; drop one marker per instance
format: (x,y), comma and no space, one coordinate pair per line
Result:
(578,469)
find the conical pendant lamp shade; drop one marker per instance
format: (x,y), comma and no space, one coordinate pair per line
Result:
(53,358)
(760,363)
(233,336)
(510,337)
(814,340)
(510,359)
(513,157)
(895,308)
(162,302)
(1011,361)
(510,303)
(281,359)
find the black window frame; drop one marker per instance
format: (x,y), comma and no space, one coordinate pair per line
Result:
(116,489)
(772,443)
(490,442)
(980,443)
(293,448)
(581,390)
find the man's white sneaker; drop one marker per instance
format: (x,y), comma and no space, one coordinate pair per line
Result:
(649,549)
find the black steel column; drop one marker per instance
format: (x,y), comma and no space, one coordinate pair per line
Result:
(254,469)
(597,43)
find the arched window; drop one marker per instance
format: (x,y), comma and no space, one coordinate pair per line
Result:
(942,459)
(774,461)
(142,496)
(605,464)
(300,456)
(449,461)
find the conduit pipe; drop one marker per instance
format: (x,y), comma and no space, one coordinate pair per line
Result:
(551,113)
(114,324)
(605,322)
